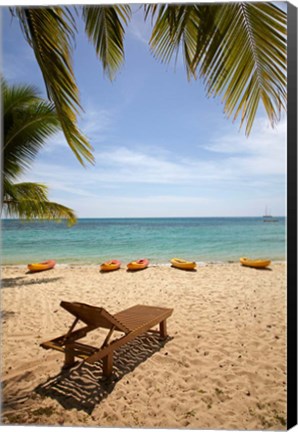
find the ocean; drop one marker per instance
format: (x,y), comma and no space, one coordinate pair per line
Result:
(92,241)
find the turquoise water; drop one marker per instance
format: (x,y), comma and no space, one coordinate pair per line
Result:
(92,241)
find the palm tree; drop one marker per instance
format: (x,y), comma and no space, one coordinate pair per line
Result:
(28,121)
(239,49)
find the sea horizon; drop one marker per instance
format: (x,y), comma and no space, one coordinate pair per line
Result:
(142,217)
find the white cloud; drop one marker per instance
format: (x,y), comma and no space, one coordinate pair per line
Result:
(123,166)
(95,124)
(138,206)
(263,140)
(139,182)
(95,121)
(263,153)
(171,205)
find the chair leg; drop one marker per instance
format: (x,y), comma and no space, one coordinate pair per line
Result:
(69,358)
(163,329)
(108,365)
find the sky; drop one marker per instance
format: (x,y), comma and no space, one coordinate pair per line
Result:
(162,148)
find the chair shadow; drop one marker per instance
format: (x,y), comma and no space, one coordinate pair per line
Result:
(20,281)
(83,386)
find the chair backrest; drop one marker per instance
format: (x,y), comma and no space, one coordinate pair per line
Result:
(94,316)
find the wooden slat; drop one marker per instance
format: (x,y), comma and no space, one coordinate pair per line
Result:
(139,315)
(93,315)
(52,345)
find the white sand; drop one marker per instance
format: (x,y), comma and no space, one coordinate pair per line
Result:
(223,366)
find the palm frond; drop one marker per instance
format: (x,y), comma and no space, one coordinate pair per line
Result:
(164,40)
(16,96)
(28,121)
(179,28)
(249,64)
(238,48)
(104,27)
(29,201)
(50,32)
(21,191)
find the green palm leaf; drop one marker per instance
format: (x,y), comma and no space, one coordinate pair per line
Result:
(16,96)
(17,191)
(238,48)
(29,201)
(50,32)
(27,122)
(104,28)
(180,28)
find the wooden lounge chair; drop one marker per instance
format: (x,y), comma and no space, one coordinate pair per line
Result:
(132,322)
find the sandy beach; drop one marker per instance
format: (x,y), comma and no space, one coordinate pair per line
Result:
(223,365)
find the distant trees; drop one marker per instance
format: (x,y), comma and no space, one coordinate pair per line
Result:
(28,121)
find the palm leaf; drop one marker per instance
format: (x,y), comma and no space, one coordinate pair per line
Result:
(21,191)
(256,72)
(164,39)
(16,96)
(27,122)
(104,27)
(50,32)
(238,48)
(180,28)
(29,201)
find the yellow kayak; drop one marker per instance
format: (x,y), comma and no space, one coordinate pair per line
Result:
(183,264)
(257,263)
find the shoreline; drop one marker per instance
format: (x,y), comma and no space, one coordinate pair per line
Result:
(123,264)
(223,365)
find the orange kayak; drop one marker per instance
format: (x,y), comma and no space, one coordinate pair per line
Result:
(110,265)
(138,265)
(45,265)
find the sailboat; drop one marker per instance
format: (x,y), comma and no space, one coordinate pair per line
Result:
(268,217)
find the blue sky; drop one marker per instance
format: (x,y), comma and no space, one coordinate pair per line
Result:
(162,148)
